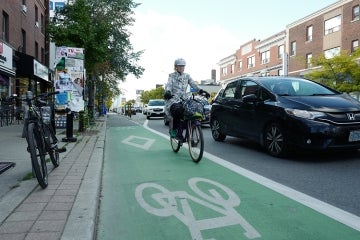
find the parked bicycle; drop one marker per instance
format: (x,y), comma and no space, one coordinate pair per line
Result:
(41,136)
(191,124)
(9,112)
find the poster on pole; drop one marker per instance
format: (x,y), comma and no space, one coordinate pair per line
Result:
(69,79)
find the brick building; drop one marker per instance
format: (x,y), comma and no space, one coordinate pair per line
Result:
(328,31)
(23,47)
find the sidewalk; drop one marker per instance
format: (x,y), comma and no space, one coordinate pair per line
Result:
(66,209)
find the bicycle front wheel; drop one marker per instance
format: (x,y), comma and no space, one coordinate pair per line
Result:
(51,145)
(195,141)
(37,153)
(175,144)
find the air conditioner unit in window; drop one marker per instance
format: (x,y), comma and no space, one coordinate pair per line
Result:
(24,8)
(37,24)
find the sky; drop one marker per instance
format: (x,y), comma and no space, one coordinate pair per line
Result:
(203,32)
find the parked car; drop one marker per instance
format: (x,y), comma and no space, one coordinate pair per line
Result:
(284,113)
(155,108)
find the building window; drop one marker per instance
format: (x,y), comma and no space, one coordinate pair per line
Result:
(240,66)
(5,27)
(309,33)
(308,60)
(332,25)
(355,13)
(293,48)
(224,71)
(36,14)
(36,51)
(332,52)
(251,62)
(42,22)
(42,55)
(23,41)
(232,68)
(281,50)
(265,57)
(354,45)
(280,72)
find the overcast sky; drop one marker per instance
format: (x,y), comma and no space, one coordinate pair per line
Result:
(203,32)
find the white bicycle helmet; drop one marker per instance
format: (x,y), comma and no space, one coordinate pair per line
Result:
(180,62)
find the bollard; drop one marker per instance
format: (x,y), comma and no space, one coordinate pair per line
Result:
(81,121)
(69,128)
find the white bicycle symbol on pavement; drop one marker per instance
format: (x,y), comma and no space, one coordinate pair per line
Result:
(212,199)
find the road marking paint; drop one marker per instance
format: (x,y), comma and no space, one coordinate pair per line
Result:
(331,211)
(210,198)
(147,142)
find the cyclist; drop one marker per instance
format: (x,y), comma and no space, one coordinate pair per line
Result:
(175,88)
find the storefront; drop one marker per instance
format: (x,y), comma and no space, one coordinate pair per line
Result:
(31,75)
(6,70)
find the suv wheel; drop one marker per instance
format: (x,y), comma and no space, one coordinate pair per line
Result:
(275,141)
(216,132)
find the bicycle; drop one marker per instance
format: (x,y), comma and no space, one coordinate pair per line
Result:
(191,124)
(41,136)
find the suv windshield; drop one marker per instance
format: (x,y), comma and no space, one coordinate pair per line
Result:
(156,103)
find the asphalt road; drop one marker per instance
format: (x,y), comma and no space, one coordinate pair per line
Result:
(332,177)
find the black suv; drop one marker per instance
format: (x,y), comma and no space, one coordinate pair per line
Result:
(283,113)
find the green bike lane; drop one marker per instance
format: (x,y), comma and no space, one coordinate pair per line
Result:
(150,192)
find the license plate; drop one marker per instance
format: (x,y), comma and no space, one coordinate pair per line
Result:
(354,136)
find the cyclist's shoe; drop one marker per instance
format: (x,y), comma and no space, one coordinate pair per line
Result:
(173,133)
(180,137)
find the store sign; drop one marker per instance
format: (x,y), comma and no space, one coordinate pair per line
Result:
(41,71)
(5,56)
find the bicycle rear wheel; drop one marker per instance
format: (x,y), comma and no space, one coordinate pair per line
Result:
(51,145)
(37,153)
(195,141)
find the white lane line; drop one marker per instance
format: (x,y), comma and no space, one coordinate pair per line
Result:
(331,211)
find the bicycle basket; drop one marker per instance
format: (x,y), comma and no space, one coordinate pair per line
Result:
(46,114)
(193,109)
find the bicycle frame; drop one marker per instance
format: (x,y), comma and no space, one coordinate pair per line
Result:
(193,136)
(40,138)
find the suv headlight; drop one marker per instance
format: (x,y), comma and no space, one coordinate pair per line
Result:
(304,113)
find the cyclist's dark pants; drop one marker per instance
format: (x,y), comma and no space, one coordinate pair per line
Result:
(177,111)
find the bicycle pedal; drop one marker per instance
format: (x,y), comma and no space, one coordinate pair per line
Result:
(61,150)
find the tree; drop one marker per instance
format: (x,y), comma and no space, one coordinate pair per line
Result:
(100,27)
(341,72)
(157,93)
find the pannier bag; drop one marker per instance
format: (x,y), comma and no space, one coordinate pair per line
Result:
(193,109)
